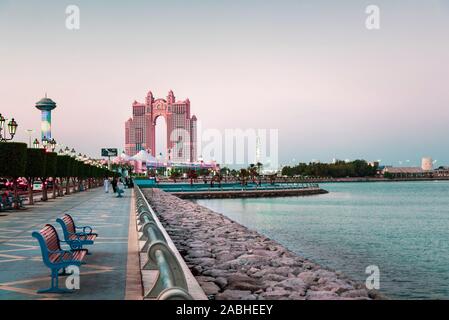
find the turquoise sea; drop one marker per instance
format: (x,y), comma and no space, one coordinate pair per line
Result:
(402,227)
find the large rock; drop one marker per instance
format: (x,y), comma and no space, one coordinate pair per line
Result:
(216,273)
(234,295)
(221,282)
(204,262)
(321,295)
(359,293)
(198,254)
(274,277)
(308,277)
(243,286)
(209,288)
(276,294)
(294,284)
(240,277)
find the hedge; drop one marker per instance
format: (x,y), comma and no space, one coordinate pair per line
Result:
(35,165)
(50,164)
(16,160)
(13,158)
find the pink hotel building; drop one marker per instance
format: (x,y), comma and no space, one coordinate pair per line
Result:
(181,128)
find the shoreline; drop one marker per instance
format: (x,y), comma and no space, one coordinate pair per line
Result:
(232,262)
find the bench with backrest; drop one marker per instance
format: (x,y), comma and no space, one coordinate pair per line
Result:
(55,258)
(76,239)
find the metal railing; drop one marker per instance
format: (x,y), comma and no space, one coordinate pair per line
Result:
(250,187)
(171,282)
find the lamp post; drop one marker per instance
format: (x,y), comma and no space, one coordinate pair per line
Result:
(36,144)
(12,129)
(30,132)
(52,144)
(45,142)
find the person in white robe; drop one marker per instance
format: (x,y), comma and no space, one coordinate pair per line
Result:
(106,185)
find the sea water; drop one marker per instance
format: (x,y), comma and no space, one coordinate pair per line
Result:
(400,227)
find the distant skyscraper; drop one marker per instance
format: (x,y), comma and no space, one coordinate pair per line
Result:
(140,130)
(427,164)
(46,105)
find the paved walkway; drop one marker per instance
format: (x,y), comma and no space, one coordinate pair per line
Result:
(105,274)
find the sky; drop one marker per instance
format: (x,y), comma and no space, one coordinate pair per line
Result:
(310,69)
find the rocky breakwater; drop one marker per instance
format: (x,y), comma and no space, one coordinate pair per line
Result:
(232,262)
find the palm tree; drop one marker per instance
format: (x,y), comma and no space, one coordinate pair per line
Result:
(192,176)
(243,176)
(175,174)
(253,172)
(259,167)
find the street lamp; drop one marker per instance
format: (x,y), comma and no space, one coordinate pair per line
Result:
(52,144)
(12,128)
(30,132)
(67,150)
(36,144)
(73,153)
(45,142)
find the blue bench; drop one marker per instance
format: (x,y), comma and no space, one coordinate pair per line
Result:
(56,258)
(76,239)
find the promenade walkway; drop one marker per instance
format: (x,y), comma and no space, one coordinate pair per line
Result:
(104,276)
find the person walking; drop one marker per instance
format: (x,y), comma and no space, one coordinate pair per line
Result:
(106,184)
(114,184)
(120,188)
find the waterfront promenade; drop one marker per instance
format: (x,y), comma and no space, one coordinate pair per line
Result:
(228,260)
(107,274)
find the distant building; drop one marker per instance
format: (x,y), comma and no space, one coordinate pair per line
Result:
(407,172)
(441,172)
(427,164)
(374,164)
(140,130)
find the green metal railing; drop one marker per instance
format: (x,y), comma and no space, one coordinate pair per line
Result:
(183,187)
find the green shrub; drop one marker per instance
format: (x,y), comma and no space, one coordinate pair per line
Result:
(13,157)
(51,164)
(36,163)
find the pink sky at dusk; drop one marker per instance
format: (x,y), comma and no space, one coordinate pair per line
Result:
(308,68)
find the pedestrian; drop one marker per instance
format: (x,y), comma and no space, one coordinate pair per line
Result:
(106,185)
(127,182)
(114,184)
(120,188)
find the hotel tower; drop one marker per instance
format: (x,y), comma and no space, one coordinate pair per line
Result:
(140,130)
